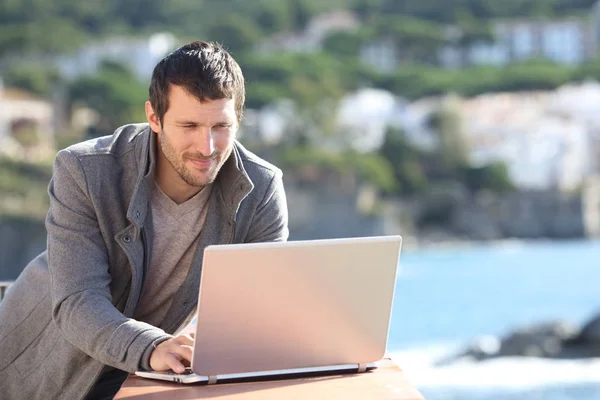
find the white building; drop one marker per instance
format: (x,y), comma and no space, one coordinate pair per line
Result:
(364,116)
(312,37)
(360,121)
(21,111)
(140,55)
(382,55)
(547,139)
(569,41)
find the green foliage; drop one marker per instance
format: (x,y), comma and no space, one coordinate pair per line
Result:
(236,32)
(416,81)
(452,146)
(417,170)
(405,161)
(17,176)
(444,11)
(34,78)
(493,177)
(472,29)
(68,24)
(589,70)
(313,81)
(54,26)
(416,26)
(374,169)
(370,167)
(535,76)
(345,44)
(437,214)
(306,78)
(416,40)
(23,188)
(114,93)
(274,16)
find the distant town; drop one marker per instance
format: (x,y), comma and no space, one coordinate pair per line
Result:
(522,95)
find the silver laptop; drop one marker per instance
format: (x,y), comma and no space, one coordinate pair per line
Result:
(276,310)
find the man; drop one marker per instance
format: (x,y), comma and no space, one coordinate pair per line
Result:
(129,217)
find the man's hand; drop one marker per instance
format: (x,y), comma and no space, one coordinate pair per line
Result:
(175,354)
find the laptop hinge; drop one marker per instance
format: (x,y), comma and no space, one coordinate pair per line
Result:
(212,380)
(362,367)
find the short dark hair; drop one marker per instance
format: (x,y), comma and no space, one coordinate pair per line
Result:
(205,70)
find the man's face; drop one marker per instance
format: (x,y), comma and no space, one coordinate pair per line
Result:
(196,138)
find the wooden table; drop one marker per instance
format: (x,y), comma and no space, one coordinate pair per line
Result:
(385,383)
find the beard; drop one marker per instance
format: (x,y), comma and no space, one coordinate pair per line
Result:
(193,176)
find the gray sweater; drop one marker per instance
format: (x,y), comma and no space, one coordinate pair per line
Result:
(69,314)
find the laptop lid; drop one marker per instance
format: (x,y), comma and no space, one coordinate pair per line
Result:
(299,304)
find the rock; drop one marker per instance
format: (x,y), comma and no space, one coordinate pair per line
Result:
(586,344)
(479,349)
(590,333)
(541,340)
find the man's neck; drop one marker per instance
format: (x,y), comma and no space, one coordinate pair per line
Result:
(171,183)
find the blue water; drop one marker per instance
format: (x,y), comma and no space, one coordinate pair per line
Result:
(453,295)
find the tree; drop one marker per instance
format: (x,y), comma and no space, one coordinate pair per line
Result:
(370,167)
(366,9)
(535,75)
(405,161)
(493,177)
(345,44)
(471,31)
(452,144)
(311,81)
(275,16)
(237,33)
(416,40)
(114,93)
(37,79)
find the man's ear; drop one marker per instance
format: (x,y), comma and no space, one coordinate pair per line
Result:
(152,117)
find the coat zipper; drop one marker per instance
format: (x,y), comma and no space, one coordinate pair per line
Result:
(146,256)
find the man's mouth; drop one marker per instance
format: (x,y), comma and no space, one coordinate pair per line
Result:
(201,163)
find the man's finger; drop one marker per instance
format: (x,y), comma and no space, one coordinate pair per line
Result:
(185,340)
(184,352)
(174,363)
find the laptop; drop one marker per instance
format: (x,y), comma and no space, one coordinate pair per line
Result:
(286,309)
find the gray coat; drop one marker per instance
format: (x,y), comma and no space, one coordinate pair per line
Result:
(70,311)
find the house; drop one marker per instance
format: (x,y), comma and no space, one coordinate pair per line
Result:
(140,55)
(312,37)
(26,121)
(568,41)
(382,55)
(546,141)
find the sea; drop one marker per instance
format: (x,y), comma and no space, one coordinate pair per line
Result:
(446,297)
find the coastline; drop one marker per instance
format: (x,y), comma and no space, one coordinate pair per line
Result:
(433,243)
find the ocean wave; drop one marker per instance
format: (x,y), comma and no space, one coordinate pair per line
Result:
(503,372)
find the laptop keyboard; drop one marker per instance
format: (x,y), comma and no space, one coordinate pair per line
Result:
(188,371)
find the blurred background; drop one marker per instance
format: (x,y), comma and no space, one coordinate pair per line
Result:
(469,127)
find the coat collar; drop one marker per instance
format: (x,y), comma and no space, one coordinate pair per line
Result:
(231,186)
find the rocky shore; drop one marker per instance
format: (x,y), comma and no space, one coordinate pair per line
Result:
(553,339)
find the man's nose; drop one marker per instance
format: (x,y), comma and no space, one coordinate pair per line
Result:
(205,143)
